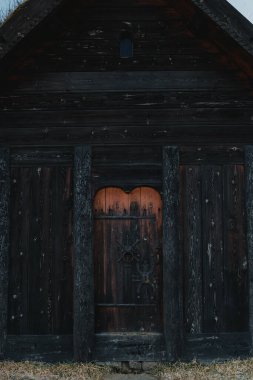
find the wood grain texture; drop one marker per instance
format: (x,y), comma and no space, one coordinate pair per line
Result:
(172,286)
(192,242)
(213,238)
(41,249)
(223,345)
(47,348)
(128,260)
(83,256)
(249,209)
(130,346)
(4,244)
(236,299)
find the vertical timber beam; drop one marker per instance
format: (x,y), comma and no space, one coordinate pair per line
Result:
(4,244)
(172,277)
(83,258)
(249,210)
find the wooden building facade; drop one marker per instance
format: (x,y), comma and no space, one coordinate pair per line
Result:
(126,181)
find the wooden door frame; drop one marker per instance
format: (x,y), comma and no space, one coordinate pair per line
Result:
(4,244)
(172,260)
(84,332)
(249,214)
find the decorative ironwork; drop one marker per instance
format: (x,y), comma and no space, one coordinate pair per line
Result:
(128,251)
(147,280)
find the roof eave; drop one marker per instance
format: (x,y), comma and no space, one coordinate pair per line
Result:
(30,14)
(230,20)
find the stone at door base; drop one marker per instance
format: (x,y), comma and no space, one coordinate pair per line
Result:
(142,376)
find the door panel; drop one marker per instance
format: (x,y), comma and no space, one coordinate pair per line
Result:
(127,260)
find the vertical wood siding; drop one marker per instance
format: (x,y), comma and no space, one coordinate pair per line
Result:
(40,265)
(214,245)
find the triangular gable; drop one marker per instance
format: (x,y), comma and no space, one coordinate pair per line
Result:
(227,28)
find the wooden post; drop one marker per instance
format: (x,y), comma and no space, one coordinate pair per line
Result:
(83,257)
(4,244)
(249,211)
(172,276)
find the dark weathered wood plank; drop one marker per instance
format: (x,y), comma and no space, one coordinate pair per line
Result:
(124,81)
(235,252)
(222,345)
(83,256)
(49,348)
(213,281)
(249,210)
(193,249)
(130,346)
(40,264)
(4,244)
(38,156)
(172,286)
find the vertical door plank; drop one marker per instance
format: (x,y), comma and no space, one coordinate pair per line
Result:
(213,286)
(83,258)
(172,286)
(192,249)
(235,259)
(249,208)
(22,218)
(4,243)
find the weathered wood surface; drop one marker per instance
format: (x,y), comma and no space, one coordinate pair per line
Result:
(75,87)
(222,346)
(125,134)
(249,210)
(41,248)
(4,244)
(47,348)
(124,81)
(172,260)
(83,256)
(215,255)
(236,311)
(127,260)
(41,156)
(126,174)
(130,346)
(121,347)
(192,246)
(212,249)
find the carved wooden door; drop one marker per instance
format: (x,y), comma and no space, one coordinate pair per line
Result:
(128,263)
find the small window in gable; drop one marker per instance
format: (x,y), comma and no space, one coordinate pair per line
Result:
(126,45)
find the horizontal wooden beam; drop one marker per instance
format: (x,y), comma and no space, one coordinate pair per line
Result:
(124,81)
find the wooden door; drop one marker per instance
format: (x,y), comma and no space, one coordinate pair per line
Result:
(128,263)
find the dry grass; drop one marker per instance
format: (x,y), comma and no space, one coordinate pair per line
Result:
(39,371)
(232,370)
